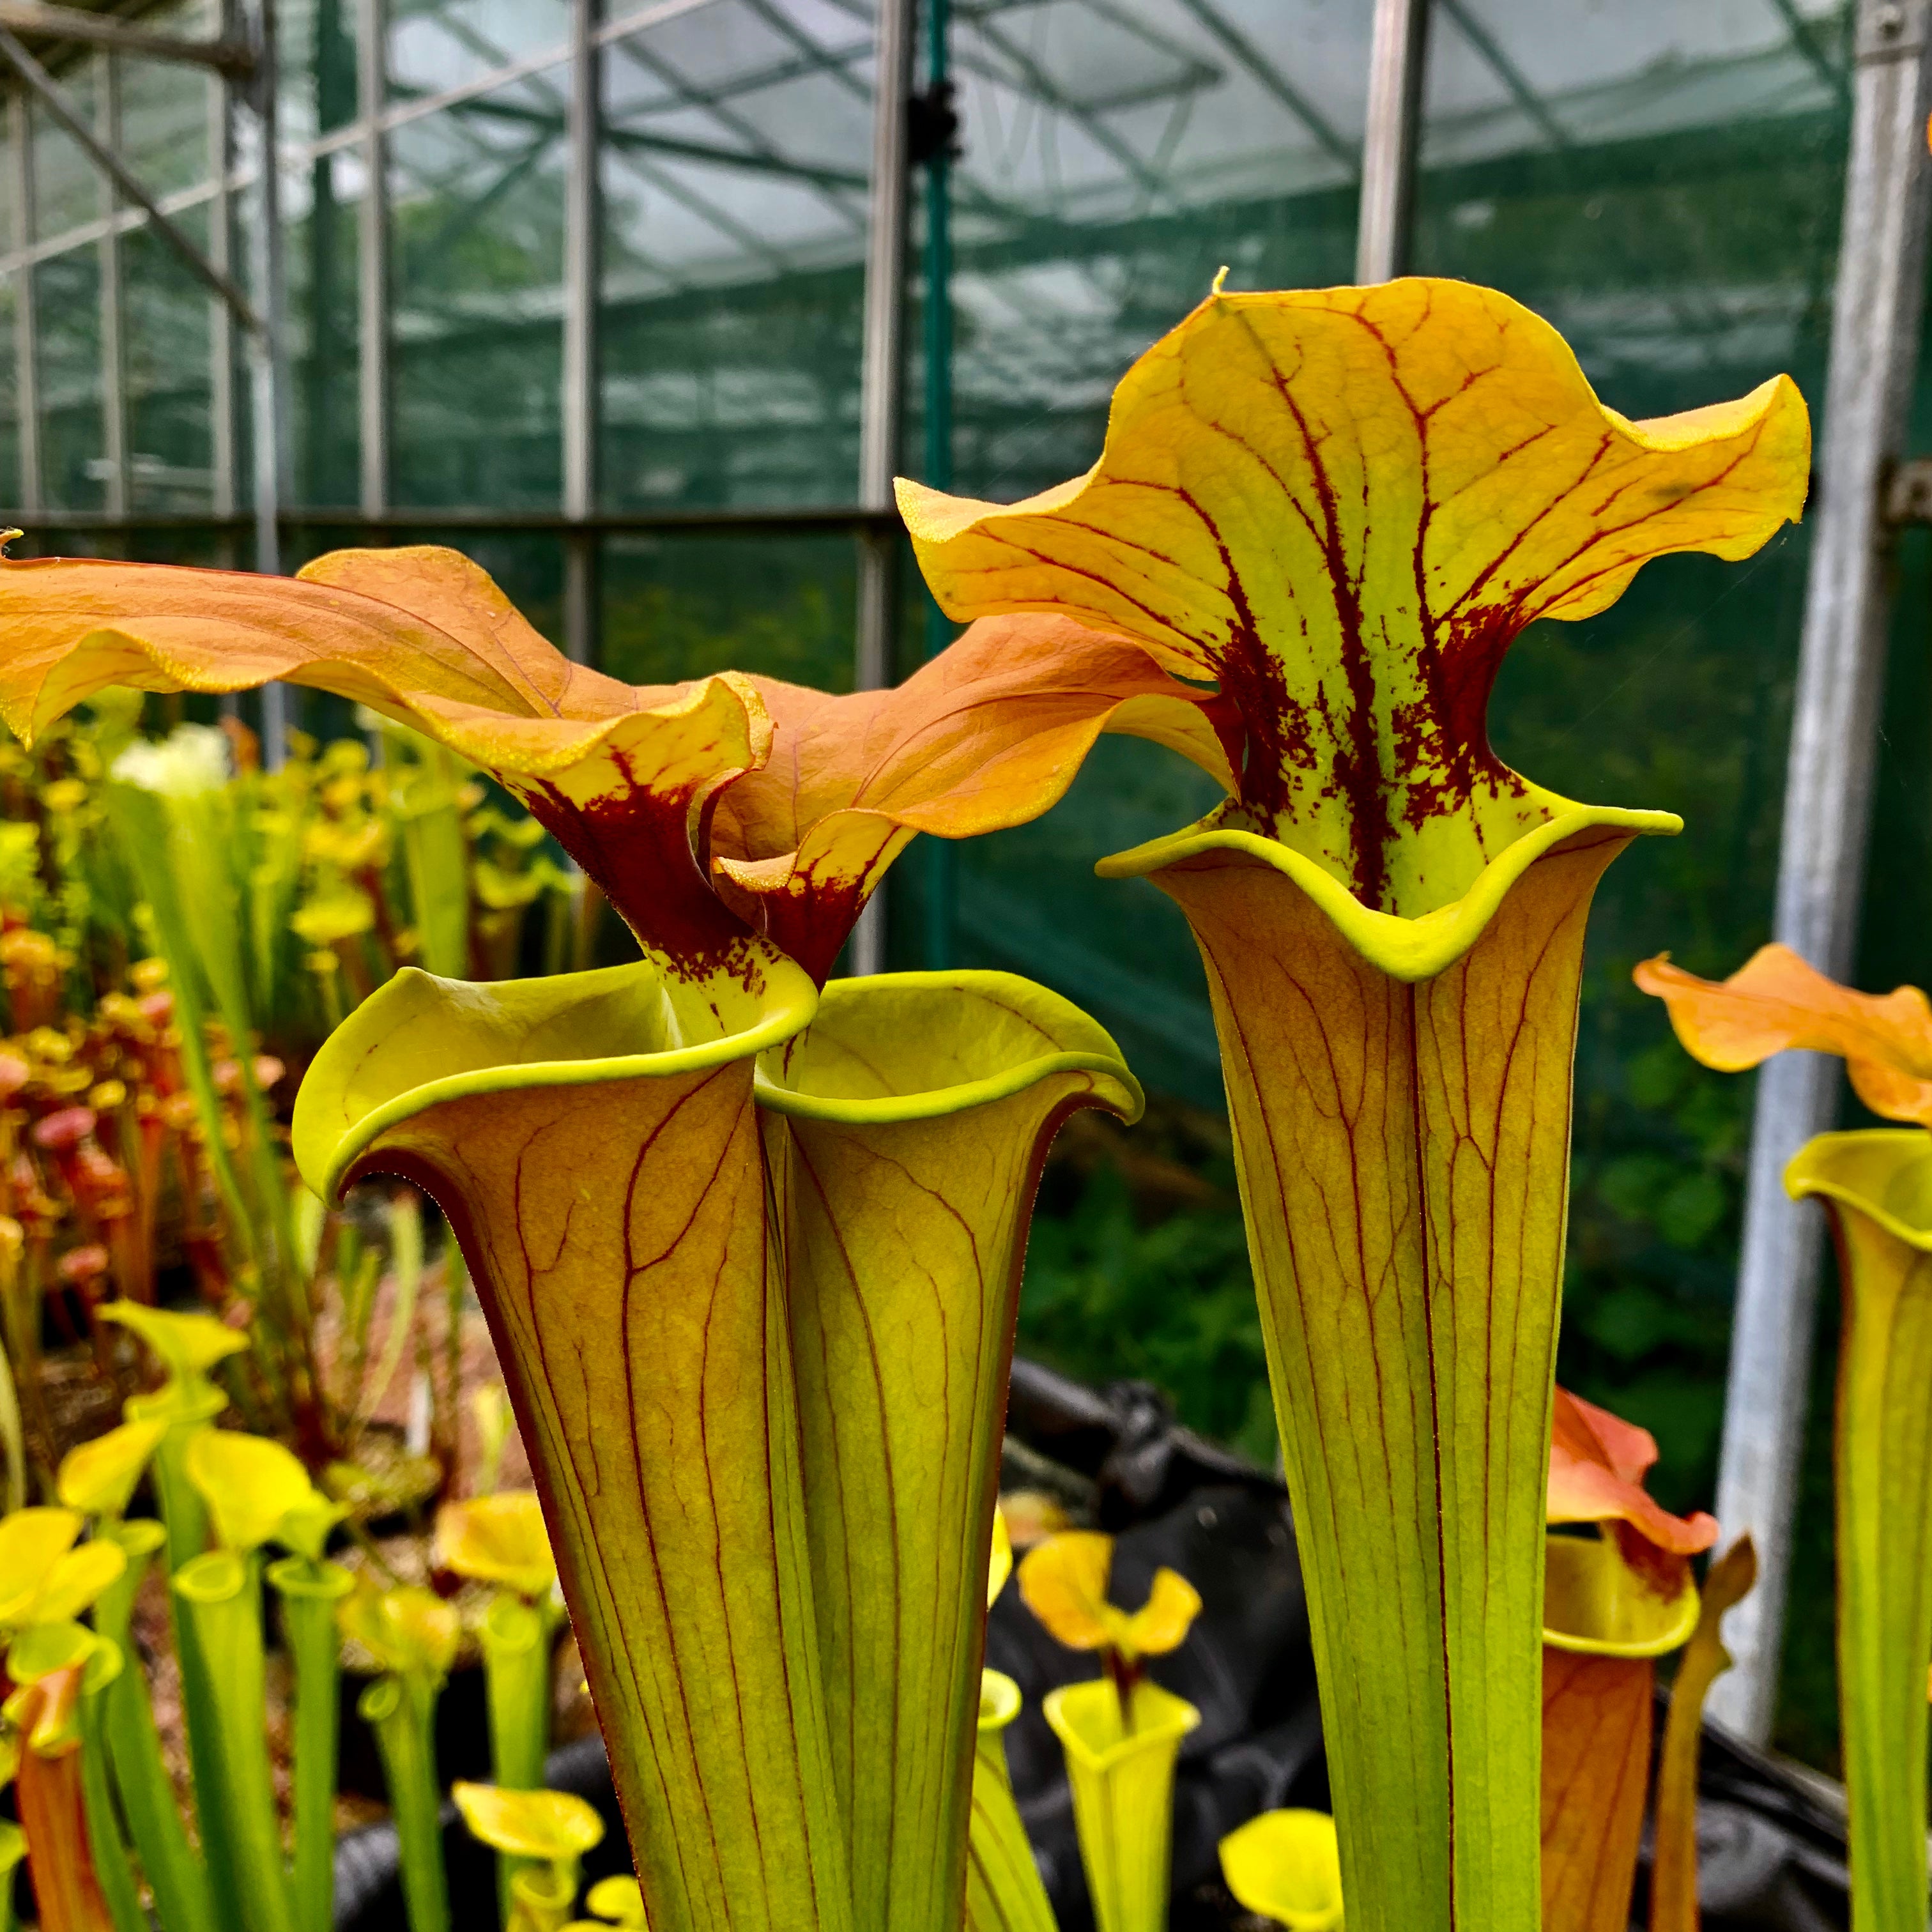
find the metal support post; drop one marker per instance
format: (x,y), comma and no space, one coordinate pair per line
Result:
(1875,334)
(880,382)
(113,354)
(941,867)
(1398,51)
(582,286)
(221,317)
(26,332)
(372,40)
(268,377)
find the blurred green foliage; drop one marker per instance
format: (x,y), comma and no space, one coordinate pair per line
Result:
(680,607)
(1107,1297)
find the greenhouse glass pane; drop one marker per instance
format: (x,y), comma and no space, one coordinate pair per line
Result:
(10,491)
(67,308)
(436,44)
(166,108)
(684,606)
(477,192)
(168,346)
(315,48)
(67,185)
(737,147)
(321,210)
(1116,154)
(10,211)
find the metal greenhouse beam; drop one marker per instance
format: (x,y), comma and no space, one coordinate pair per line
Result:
(1875,336)
(374,395)
(116,448)
(582,289)
(26,313)
(880,384)
(253,115)
(1391,134)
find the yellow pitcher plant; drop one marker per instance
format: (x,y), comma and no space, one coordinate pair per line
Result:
(49,1732)
(255,1492)
(1003,1891)
(1875,1184)
(1342,506)
(749,1249)
(1286,1866)
(97,1479)
(412,1635)
(544,1835)
(189,1346)
(501,1540)
(1120,1733)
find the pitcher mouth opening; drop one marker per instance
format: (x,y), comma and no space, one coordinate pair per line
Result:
(1883,1173)
(1596,1605)
(1404,949)
(1086,1718)
(911,1046)
(419,1041)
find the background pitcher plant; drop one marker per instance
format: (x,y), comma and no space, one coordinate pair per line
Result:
(1614,1600)
(1876,1186)
(1342,507)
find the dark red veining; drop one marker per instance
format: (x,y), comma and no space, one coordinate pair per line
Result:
(812,922)
(635,844)
(1358,776)
(1442,738)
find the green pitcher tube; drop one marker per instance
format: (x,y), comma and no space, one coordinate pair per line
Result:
(399,1710)
(517,1668)
(1003,1891)
(112,1865)
(309,1592)
(1876,1185)
(13,1849)
(133,1750)
(516,1673)
(219,1597)
(1123,1782)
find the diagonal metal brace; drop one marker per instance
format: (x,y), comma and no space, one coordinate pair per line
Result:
(63,109)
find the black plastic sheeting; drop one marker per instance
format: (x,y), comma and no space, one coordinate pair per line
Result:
(1772,1840)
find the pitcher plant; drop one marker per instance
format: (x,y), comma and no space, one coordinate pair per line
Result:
(1342,507)
(750,1250)
(1876,1186)
(1616,1599)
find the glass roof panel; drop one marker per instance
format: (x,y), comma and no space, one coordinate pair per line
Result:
(737,170)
